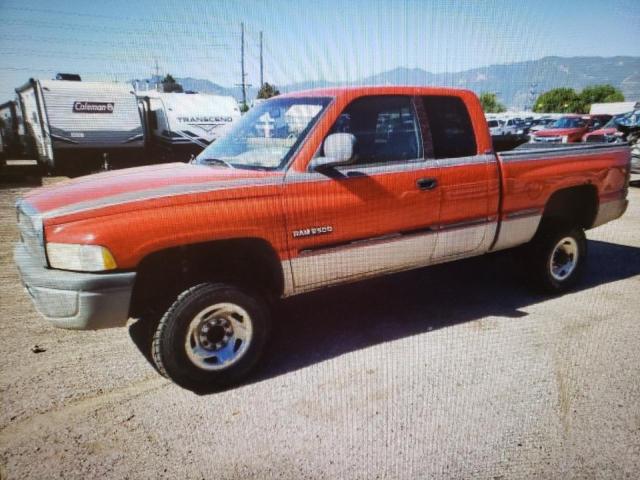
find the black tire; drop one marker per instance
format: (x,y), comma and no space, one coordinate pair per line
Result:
(169,351)
(538,257)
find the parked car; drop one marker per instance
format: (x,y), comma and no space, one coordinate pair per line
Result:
(512,126)
(621,128)
(629,125)
(608,133)
(540,124)
(495,127)
(570,128)
(198,252)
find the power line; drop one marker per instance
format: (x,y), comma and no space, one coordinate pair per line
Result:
(70,41)
(128,56)
(133,32)
(207,22)
(53,70)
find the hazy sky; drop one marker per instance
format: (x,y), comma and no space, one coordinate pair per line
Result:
(304,40)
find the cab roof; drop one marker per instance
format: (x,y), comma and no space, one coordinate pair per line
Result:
(357,91)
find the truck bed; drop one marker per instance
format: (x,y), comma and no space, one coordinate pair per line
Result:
(530,176)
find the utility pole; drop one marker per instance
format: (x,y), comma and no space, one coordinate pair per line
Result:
(533,92)
(261,64)
(156,78)
(244,83)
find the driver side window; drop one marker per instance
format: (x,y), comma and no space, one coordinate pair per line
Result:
(385,127)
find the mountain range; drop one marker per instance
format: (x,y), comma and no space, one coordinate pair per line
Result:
(516,84)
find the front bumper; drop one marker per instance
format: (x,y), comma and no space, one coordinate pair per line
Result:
(79,301)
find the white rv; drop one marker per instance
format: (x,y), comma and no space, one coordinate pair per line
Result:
(613,108)
(10,130)
(77,126)
(183,124)
(7,122)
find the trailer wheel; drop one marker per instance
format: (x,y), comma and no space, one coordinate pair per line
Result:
(211,336)
(556,257)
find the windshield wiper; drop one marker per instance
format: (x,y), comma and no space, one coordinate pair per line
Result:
(217,161)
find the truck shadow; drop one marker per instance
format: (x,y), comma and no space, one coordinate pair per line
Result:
(323,325)
(319,326)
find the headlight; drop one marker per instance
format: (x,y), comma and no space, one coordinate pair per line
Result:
(565,138)
(81,258)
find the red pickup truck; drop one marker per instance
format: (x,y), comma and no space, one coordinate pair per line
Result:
(307,190)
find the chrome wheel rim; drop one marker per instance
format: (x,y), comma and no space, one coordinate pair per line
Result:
(218,336)
(564,258)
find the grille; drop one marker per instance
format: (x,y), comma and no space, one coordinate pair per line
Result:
(30,228)
(547,139)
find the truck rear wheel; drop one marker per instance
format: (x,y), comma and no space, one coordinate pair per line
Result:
(211,337)
(556,257)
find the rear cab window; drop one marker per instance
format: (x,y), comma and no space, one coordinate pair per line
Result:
(450,130)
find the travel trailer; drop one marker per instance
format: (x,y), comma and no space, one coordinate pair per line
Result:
(181,125)
(81,126)
(613,108)
(10,130)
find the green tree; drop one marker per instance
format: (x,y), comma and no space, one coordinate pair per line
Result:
(490,103)
(169,85)
(267,91)
(558,100)
(599,94)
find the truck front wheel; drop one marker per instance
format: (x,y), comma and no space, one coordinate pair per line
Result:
(556,257)
(211,336)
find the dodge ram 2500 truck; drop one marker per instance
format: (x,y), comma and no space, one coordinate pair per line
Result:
(305,191)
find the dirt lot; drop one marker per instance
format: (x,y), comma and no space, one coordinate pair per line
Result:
(456,371)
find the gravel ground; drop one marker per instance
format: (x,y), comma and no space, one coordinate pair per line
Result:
(456,371)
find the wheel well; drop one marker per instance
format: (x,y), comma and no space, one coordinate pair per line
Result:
(248,262)
(575,204)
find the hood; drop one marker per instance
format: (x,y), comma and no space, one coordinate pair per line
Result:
(558,132)
(603,131)
(134,187)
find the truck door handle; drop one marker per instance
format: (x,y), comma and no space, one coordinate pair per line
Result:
(426,183)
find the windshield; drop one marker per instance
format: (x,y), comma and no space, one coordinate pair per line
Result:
(569,122)
(493,123)
(613,123)
(267,135)
(630,119)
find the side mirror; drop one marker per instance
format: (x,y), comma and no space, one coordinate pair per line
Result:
(338,150)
